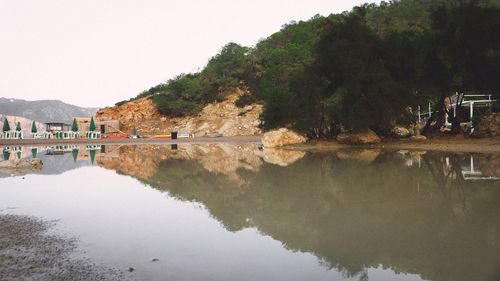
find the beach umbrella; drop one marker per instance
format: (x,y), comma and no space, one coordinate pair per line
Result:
(74,127)
(92,124)
(92,155)
(34,151)
(18,126)
(6,155)
(6,126)
(34,129)
(75,154)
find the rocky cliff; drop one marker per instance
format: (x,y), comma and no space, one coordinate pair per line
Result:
(223,117)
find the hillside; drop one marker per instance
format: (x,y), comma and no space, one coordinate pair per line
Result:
(25,124)
(369,68)
(220,117)
(43,110)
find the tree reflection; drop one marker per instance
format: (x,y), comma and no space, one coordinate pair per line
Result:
(358,212)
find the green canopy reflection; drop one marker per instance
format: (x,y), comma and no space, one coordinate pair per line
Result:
(75,154)
(92,155)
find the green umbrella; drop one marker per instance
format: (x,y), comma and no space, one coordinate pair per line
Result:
(6,126)
(34,151)
(19,155)
(74,127)
(18,126)
(92,156)
(6,155)
(92,124)
(34,130)
(75,154)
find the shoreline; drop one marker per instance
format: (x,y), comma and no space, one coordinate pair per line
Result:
(202,140)
(29,252)
(457,144)
(438,143)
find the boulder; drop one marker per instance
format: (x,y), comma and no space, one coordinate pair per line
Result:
(21,164)
(401,132)
(361,137)
(488,126)
(281,137)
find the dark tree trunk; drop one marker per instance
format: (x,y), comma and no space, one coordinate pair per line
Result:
(438,117)
(456,120)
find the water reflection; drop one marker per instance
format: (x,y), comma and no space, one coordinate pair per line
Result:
(426,213)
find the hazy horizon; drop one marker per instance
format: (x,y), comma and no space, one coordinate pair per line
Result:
(96,53)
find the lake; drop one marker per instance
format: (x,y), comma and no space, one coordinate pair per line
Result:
(240,212)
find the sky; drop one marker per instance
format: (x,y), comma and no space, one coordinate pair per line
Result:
(95,53)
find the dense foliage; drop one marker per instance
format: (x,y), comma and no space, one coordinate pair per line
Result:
(361,69)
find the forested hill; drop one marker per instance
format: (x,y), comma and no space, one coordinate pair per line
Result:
(359,69)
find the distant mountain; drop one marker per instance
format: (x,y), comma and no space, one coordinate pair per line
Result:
(44,110)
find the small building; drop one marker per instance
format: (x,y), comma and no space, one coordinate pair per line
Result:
(103,127)
(56,126)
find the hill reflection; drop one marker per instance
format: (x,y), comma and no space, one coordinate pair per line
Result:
(411,212)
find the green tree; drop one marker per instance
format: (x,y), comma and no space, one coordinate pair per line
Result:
(34,129)
(74,126)
(467,43)
(6,126)
(92,124)
(355,85)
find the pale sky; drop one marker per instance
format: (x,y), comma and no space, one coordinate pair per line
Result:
(99,52)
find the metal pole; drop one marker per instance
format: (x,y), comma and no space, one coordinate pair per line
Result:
(419,120)
(471,110)
(471,164)
(430,114)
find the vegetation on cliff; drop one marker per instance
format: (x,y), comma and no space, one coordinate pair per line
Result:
(360,69)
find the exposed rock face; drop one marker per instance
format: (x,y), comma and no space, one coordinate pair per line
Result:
(489,126)
(21,164)
(223,117)
(281,137)
(364,137)
(401,132)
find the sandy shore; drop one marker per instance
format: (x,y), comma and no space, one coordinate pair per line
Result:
(446,144)
(27,252)
(441,143)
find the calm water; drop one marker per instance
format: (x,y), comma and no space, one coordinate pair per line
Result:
(226,212)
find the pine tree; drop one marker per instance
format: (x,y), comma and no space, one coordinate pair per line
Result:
(92,124)
(34,130)
(6,126)
(74,127)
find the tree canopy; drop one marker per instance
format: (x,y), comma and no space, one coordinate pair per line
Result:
(360,69)
(74,126)
(6,126)
(34,129)
(92,124)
